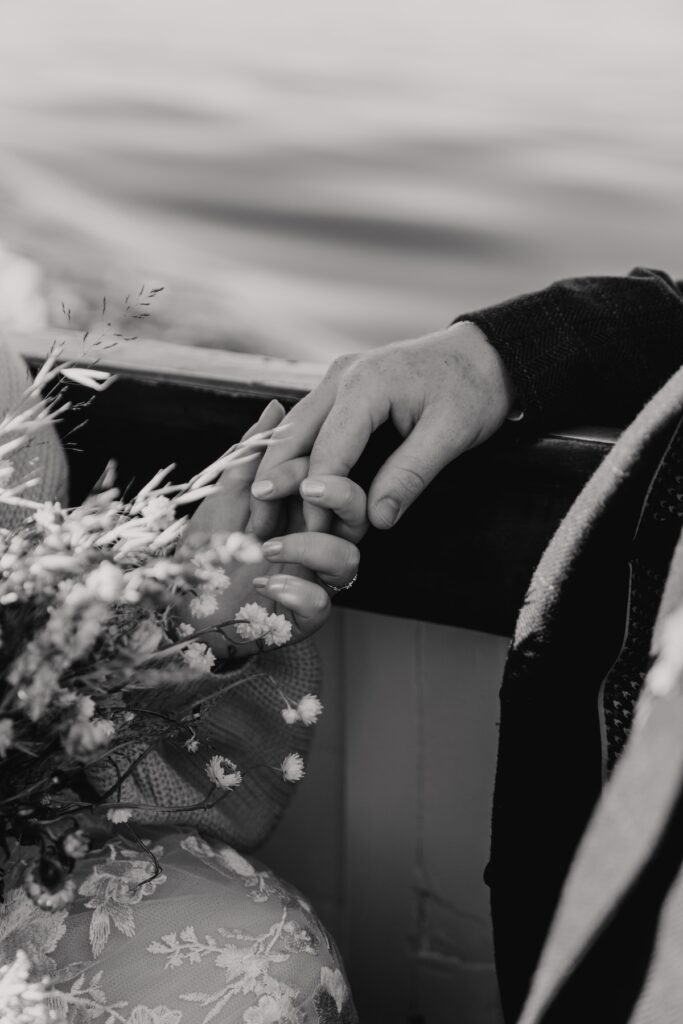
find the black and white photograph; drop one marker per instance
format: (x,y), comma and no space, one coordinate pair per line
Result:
(341,512)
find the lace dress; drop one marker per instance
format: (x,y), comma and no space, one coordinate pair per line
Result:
(215,936)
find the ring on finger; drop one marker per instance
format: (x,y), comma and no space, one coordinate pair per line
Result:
(347,586)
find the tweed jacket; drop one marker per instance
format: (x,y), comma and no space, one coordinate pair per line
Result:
(614,949)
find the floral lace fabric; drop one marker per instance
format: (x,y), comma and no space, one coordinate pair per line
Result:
(214,937)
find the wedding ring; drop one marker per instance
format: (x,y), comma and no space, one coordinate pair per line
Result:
(347,586)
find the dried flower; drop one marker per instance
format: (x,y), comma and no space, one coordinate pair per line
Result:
(251,621)
(85,736)
(291,715)
(203,604)
(310,709)
(85,708)
(119,815)
(243,548)
(158,512)
(279,631)
(96,380)
(23,1001)
(292,768)
(76,844)
(198,657)
(106,582)
(6,735)
(223,772)
(86,613)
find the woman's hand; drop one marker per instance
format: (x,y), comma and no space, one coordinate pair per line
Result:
(299,569)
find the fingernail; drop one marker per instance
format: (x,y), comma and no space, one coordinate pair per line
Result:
(261,581)
(387,511)
(312,488)
(271,548)
(261,488)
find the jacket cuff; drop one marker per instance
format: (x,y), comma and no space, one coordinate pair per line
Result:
(588,349)
(524,333)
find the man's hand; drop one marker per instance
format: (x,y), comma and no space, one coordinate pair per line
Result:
(445,393)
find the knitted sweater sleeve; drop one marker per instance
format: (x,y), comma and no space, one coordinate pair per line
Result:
(589,349)
(240,718)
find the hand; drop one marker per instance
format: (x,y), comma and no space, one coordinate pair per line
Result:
(297,576)
(445,393)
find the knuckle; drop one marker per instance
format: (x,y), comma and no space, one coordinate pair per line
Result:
(354,377)
(341,364)
(319,600)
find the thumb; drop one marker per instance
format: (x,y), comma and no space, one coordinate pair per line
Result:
(406,473)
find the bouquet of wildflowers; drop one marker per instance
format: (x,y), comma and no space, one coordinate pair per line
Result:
(88,619)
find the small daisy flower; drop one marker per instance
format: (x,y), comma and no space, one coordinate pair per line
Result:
(203,604)
(309,709)
(106,582)
(6,735)
(185,629)
(198,657)
(158,513)
(119,815)
(292,768)
(252,621)
(86,708)
(192,745)
(279,631)
(223,772)
(215,578)
(291,715)
(85,736)
(76,844)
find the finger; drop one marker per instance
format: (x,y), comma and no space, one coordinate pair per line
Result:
(294,438)
(344,498)
(283,481)
(271,416)
(356,413)
(243,469)
(309,602)
(334,559)
(413,465)
(228,508)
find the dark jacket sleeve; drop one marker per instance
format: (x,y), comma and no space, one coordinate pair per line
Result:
(590,349)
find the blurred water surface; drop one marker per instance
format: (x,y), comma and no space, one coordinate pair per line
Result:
(311,177)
